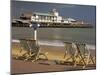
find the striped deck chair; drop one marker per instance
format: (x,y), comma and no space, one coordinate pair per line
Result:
(31,47)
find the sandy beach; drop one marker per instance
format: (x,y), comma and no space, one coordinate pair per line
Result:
(52,53)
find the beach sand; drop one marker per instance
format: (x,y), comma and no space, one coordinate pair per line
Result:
(52,53)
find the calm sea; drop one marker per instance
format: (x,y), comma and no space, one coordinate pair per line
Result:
(81,35)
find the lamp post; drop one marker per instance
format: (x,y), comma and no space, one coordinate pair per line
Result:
(35,26)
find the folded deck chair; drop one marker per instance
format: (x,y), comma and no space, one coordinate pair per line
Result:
(31,47)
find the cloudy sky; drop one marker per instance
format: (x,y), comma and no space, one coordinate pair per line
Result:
(80,12)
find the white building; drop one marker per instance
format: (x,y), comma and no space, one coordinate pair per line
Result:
(52,16)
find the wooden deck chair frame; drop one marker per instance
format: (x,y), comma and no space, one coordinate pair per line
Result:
(79,55)
(84,57)
(75,53)
(89,57)
(69,50)
(30,52)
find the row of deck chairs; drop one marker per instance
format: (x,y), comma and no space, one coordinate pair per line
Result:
(79,54)
(75,53)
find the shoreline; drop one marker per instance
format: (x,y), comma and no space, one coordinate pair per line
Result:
(55,43)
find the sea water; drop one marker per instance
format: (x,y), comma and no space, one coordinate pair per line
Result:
(57,36)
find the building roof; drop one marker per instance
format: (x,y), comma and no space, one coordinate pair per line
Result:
(71,19)
(46,14)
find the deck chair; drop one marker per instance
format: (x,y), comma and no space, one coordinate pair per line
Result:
(82,55)
(69,53)
(31,47)
(90,58)
(79,54)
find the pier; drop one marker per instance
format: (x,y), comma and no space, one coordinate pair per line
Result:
(51,25)
(48,20)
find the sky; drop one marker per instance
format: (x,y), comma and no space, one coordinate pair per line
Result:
(85,13)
